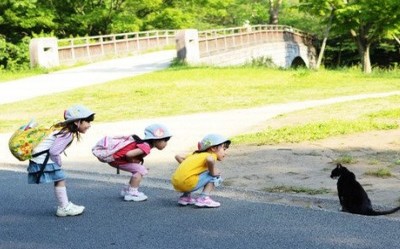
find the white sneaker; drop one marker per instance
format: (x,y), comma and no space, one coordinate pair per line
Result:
(135,196)
(70,210)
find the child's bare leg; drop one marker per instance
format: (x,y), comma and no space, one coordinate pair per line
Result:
(208,188)
(59,183)
(135,180)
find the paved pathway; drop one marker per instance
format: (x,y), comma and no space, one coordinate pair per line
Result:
(91,74)
(187,129)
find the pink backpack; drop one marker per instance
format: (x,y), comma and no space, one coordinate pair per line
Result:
(107,146)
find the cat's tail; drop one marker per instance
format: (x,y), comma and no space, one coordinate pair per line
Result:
(375,212)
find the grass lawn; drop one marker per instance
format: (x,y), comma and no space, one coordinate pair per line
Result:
(189,90)
(328,121)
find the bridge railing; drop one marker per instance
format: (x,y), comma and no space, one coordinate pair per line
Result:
(93,48)
(220,40)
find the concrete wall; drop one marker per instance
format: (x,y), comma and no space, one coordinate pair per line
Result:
(44,52)
(281,53)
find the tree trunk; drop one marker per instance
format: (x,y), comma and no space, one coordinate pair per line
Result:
(363,46)
(328,28)
(321,53)
(363,50)
(397,39)
(365,59)
(274,6)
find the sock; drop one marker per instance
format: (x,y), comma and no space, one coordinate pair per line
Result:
(61,196)
(132,189)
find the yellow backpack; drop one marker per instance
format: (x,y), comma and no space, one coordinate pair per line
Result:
(26,138)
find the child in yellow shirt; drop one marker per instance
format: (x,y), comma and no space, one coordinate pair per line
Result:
(198,170)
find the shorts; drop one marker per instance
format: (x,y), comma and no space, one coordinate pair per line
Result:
(205,178)
(133,168)
(52,173)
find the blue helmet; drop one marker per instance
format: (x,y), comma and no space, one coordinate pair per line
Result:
(211,140)
(156,131)
(77,112)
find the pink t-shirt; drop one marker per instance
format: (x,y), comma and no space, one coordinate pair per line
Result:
(120,156)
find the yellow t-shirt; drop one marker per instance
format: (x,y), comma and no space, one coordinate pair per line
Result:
(187,174)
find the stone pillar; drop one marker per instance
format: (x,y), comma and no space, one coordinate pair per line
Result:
(187,45)
(44,52)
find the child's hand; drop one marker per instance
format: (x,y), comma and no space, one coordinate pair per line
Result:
(179,158)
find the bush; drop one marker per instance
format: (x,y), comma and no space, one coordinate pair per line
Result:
(262,61)
(14,57)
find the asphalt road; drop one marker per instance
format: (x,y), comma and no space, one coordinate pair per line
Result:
(27,220)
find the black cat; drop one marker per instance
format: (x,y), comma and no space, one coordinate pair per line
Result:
(352,195)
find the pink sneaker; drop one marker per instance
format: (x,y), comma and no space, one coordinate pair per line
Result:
(186,200)
(206,201)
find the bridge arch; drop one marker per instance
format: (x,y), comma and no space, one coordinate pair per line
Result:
(298,62)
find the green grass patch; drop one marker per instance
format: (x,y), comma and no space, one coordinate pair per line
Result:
(382,172)
(345,159)
(8,75)
(315,131)
(297,190)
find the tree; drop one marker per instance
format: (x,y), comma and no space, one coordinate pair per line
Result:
(367,21)
(20,18)
(19,21)
(326,10)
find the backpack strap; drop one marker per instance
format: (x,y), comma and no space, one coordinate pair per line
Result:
(43,166)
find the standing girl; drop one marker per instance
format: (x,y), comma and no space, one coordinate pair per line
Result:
(198,170)
(130,158)
(77,121)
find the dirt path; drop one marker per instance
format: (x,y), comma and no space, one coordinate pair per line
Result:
(306,166)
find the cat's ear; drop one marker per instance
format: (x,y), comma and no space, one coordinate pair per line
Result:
(339,165)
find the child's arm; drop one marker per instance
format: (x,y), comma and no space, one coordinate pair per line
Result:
(179,158)
(131,156)
(211,166)
(60,143)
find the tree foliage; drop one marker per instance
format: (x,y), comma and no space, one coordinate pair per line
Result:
(370,21)
(367,21)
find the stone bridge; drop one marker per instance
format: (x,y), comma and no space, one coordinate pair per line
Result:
(283,45)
